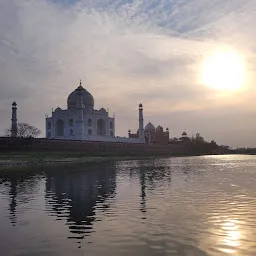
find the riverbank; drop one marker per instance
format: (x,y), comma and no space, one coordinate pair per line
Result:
(19,159)
(25,159)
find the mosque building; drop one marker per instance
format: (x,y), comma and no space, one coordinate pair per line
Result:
(150,133)
(80,121)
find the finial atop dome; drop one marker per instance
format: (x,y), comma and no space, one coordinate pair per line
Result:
(80,87)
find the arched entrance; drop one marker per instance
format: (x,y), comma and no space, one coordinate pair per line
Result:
(101,127)
(59,128)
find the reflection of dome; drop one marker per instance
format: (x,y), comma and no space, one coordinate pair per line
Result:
(184,134)
(150,127)
(88,100)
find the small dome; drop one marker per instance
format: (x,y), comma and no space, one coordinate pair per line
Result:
(58,109)
(88,100)
(159,128)
(167,129)
(140,105)
(14,104)
(129,131)
(103,110)
(150,127)
(184,134)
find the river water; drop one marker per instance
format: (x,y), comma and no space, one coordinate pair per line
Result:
(176,206)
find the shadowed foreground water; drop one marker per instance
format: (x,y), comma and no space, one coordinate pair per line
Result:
(177,206)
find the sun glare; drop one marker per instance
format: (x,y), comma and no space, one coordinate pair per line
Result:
(223,70)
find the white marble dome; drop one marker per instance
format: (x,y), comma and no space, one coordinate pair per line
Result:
(73,98)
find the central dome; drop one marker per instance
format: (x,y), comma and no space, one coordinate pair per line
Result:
(150,127)
(74,97)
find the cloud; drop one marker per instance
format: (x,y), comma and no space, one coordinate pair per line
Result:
(126,52)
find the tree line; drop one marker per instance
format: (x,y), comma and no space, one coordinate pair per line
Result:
(196,145)
(24,130)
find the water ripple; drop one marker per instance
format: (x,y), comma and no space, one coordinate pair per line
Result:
(177,206)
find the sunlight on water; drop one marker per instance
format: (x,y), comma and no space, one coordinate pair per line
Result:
(177,206)
(231,235)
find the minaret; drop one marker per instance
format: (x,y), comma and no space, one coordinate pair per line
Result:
(141,125)
(14,128)
(80,109)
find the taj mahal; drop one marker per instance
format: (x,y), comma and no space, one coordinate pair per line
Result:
(80,121)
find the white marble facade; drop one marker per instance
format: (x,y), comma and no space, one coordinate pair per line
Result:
(80,121)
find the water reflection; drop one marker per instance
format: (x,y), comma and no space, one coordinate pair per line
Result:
(152,172)
(143,207)
(20,188)
(151,175)
(75,196)
(13,203)
(178,206)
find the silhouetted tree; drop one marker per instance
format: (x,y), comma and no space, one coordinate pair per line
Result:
(24,131)
(174,140)
(199,138)
(199,146)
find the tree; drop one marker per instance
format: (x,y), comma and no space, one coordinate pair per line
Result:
(199,138)
(25,130)
(199,146)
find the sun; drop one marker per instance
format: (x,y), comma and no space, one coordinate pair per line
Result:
(224,69)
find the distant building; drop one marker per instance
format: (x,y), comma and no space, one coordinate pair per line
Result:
(184,138)
(152,134)
(80,121)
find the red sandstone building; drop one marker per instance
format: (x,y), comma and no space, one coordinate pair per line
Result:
(152,134)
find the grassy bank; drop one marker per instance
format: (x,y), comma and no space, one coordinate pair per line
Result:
(23,159)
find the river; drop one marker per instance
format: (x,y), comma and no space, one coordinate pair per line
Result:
(177,206)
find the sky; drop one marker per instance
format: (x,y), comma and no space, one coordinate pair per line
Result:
(127,52)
